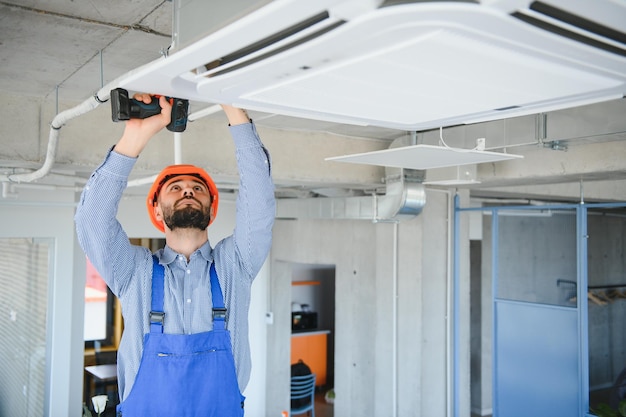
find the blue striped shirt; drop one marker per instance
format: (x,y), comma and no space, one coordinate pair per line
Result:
(127,269)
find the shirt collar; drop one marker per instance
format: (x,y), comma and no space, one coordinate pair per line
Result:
(169,255)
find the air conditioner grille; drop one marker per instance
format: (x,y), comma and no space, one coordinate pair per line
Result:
(578,21)
(574,21)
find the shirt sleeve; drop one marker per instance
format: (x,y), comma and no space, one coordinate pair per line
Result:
(256,205)
(99,232)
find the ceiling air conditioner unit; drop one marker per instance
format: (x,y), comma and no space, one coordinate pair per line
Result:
(397,64)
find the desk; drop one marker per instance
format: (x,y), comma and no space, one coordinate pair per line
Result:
(312,348)
(102,376)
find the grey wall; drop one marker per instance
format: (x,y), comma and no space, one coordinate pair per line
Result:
(391,330)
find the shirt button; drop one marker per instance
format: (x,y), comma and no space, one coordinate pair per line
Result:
(188,300)
(188,271)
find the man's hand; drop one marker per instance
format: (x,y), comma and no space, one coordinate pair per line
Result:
(235,115)
(139,131)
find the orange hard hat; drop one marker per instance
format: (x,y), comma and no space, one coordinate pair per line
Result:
(175,171)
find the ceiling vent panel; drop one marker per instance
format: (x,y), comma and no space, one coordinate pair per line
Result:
(414,82)
(410,66)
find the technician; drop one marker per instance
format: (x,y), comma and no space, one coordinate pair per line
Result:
(185,349)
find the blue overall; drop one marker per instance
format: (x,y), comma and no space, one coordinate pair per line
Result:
(185,375)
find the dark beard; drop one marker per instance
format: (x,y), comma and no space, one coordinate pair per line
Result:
(187,218)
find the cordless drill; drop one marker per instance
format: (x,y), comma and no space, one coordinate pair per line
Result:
(124,108)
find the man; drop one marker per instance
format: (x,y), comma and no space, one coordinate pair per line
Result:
(172,302)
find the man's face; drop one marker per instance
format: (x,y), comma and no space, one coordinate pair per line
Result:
(184,202)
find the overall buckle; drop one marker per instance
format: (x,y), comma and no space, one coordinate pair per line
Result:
(157,317)
(219,313)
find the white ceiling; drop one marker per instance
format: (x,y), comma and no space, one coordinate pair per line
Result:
(58,52)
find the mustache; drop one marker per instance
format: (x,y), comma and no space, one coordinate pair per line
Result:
(188,197)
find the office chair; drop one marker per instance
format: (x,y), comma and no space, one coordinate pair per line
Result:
(108,387)
(303,394)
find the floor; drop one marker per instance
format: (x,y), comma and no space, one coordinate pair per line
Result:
(322,408)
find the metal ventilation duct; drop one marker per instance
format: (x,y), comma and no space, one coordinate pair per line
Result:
(404,198)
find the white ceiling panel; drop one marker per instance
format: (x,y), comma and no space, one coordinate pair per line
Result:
(424,157)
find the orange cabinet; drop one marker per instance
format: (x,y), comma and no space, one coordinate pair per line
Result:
(312,348)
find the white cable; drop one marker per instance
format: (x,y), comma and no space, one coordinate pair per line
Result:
(441,138)
(480,145)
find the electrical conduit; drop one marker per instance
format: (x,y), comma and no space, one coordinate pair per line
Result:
(102,96)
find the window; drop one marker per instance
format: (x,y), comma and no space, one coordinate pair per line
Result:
(99,309)
(24,276)
(103,318)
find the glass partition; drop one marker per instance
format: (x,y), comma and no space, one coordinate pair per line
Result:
(536,349)
(537,257)
(606,295)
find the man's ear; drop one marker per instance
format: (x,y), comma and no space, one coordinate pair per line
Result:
(158,214)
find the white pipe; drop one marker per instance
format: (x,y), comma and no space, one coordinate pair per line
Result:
(142,181)
(8,191)
(204,112)
(60,120)
(178,159)
(53,139)
(178,148)
(88,105)
(47,204)
(57,123)
(394,324)
(449,303)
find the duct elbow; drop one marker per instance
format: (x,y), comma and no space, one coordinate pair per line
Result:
(402,201)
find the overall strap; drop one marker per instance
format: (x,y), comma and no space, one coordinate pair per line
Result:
(219,310)
(157,315)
